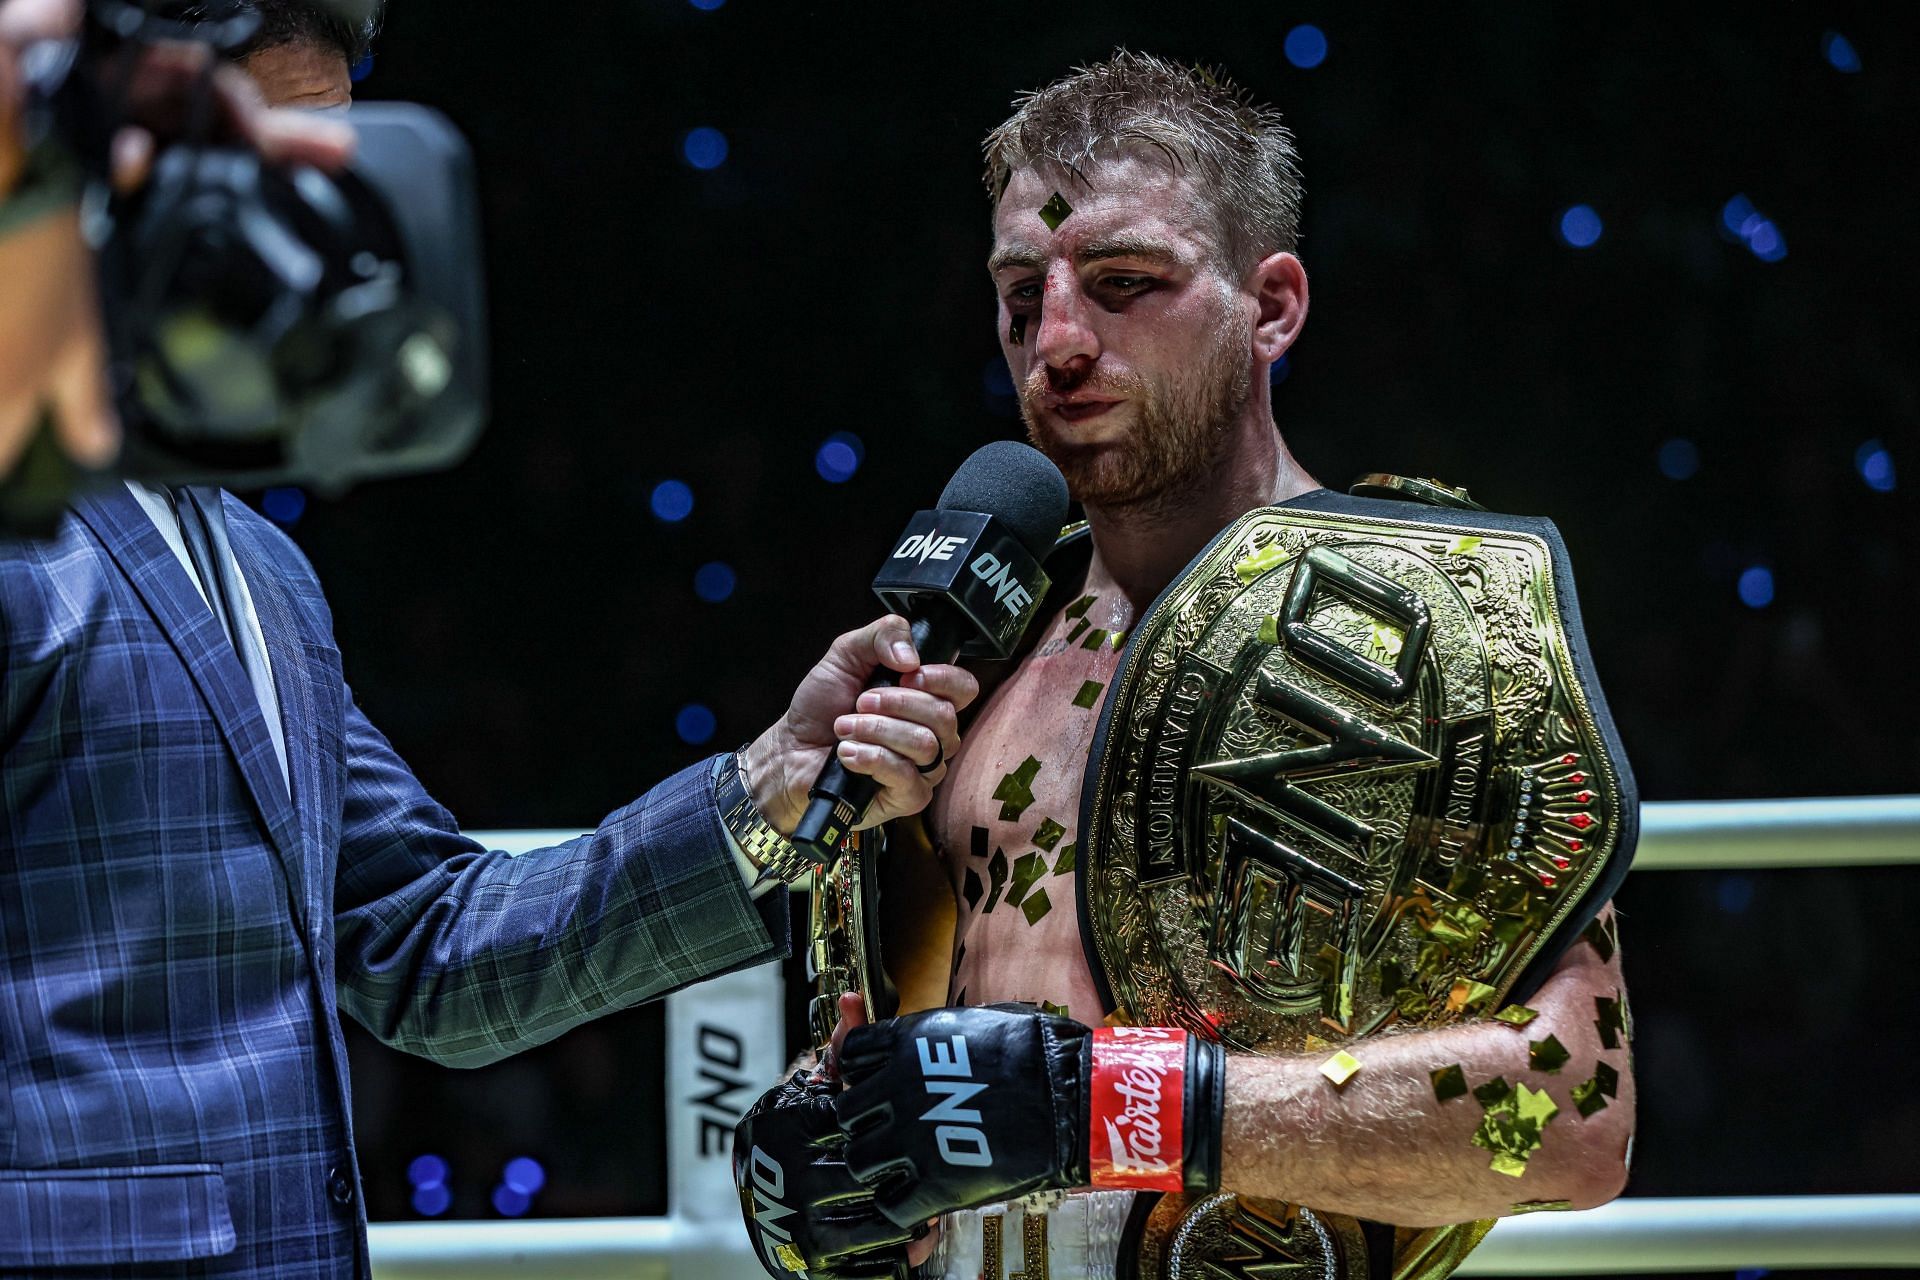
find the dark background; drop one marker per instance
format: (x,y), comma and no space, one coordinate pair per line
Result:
(528,632)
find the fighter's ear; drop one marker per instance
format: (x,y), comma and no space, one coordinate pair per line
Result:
(1279,286)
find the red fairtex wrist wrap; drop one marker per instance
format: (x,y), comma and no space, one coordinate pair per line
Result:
(1138,1110)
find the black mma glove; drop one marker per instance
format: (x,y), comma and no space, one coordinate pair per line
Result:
(954,1108)
(803,1209)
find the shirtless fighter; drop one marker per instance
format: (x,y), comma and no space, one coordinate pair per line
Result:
(1145,222)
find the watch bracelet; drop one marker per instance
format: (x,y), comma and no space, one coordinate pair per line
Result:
(777,857)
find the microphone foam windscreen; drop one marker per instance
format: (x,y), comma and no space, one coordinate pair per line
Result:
(1015,484)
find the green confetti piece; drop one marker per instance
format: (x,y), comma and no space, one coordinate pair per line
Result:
(1118,640)
(1089,694)
(1017,331)
(1029,868)
(1015,791)
(1470,995)
(1078,627)
(1063,865)
(1610,1023)
(1516,1015)
(1588,1099)
(1269,629)
(1547,1055)
(997,869)
(1095,638)
(1055,211)
(1463,546)
(1600,935)
(1057,1010)
(1048,834)
(974,889)
(1511,1165)
(1459,926)
(1271,556)
(1542,1206)
(1493,1093)
(1449,1083)
(1607,1078)
(1036,906)
(1078,609)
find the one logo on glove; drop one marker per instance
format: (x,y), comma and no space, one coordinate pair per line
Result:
(945,1070)
(1138,1108)
(770,1186)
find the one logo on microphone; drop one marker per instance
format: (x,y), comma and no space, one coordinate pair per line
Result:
(946,1070)
(922,547)
(1006,588)
(770,1186)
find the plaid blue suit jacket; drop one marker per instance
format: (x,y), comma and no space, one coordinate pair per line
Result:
(178,936)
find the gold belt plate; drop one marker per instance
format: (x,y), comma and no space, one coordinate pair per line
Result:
(1350,779)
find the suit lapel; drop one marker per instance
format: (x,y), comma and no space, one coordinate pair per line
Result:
(196,635)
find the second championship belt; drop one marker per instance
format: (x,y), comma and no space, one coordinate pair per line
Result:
(1355,773)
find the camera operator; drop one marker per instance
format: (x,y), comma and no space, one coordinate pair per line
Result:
(207,852)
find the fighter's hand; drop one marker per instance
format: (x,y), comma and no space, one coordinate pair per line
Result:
(901,737)
(954,1108)
(52,357)
(803,1210)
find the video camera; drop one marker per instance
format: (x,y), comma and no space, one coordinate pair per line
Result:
(266,325)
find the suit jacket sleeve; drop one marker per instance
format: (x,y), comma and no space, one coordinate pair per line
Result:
(465,954)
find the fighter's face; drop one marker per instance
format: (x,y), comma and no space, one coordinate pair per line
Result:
(302,74)
(1126,334)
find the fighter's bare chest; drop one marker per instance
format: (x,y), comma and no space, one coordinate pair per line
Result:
(1005,818)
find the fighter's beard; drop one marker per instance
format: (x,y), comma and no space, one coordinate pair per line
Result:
(1182,429)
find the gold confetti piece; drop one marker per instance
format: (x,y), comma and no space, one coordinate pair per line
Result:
(790,1258)
(1466,994)
(1547,1055)
(1017,331)
(1268,557)
(1493,1093)
(1535,1107)
(1036,906)
(1387,641)
(1607,1078)
(1078,627)
(1588,1098)
(1028,869)
(997,869)
(1078,609)
(1015,791)
(1317,1044)
(1449,1083)
(1542,1206)
(974,889)
(1511,1165)
(1118,639)
(1063,865)
(1463,546)
(1603,936)
(1270,630)
(1340,1068)
(1055,211)
(1089,695)
(1095,638)
(1458,926)
(1057,1010)
(1516,1015)
(1048,834)
(1610,1022)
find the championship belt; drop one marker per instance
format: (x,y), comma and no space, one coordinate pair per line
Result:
(1355,772)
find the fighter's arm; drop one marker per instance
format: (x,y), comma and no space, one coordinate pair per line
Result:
(1385,1148)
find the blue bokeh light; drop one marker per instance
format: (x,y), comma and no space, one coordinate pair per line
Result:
(695,724)
(525,1175)
(1679,459)
(1756,587)
(1277,372)
(839,457)
(671,500)
(1764,238)
(704,147)
(706,6)
(714,581)
(510,1203)
(1875,466)
(427,1171)
(1734,214)
(1839,52)
(361,69)
(1735,893)
(432,1200)
(284,506)
(1306,46)
(1580,226)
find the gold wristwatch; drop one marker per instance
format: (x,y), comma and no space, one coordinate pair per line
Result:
(777,857)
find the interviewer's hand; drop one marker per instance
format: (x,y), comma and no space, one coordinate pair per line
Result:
(51,352)
(887,734)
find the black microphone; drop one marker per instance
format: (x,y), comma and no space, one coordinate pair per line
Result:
(967,577)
